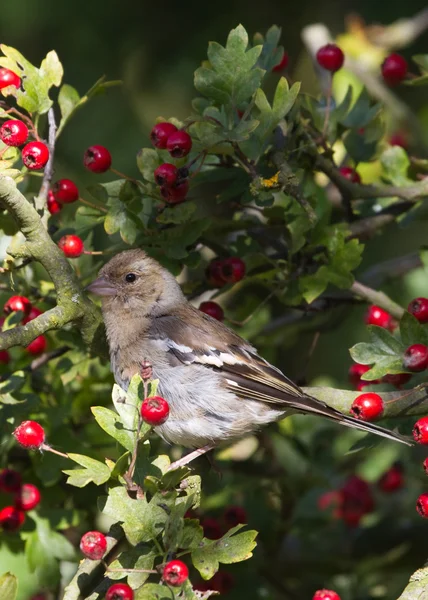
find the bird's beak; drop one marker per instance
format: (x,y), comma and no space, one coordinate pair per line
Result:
(101,287)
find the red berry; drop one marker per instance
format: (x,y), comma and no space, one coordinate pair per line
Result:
(425,465)
(350,173)
(416,357)
(28,497)
(380,317)
(420,431)
(65,191)
(33,314)
(355,373)
(13,133)
(71,245)
(330,57)
(394,69)
(166,174)
(10,481)
(35,155)
(155,410)
(179,144)
(283,64)
(4,357)
(97,159)
(398,139)
(11,518)
(16,303)
(367,407)
(233,515)
(398,379)
(119,591)
(175,194)
(93,545)
(233,269)
(30,435)
(214,273)
(356,500)
(212,309)
(212,528)
(422,505)
(160,133)
(8,77)
(392,480)
(419,309)
(53,205)
(175,573)
(38,345)
(326,595)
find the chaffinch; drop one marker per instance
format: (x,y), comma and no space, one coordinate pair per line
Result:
(217,386)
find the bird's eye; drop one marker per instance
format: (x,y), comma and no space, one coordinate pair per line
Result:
(130,277)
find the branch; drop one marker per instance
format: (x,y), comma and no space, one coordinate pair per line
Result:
(397,404)
(417,586)
(378,298)
(72,305)
(47,177)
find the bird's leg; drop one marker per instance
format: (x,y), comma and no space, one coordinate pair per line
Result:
(189,457)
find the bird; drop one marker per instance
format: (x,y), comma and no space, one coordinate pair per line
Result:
(216,384)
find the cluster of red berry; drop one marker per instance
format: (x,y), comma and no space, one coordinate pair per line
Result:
(22,304)
(26,497)
(173,181)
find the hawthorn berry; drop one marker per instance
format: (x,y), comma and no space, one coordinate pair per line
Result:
(35,155)
(212,528)
(350,174)
(416,357)
(326,595)
(120,591)
(28,497)
(212,309)
(176,193)
(356,500)
(394,69)
(13,133)
(233,269)
(179,144)
(392,480)
(166,174)
(71,245)
(8,77)
(330,57)
(234,515)
(11,518)
(155,410)
(356,371)
(425,465)
(93,545)
(419,309)
(175,573)
(213,273)
(38,345)
(17,303)
(4,357)
(160,133)
(397,379)
(367,407)
(52,204)
(97,159)
(376,315)
(398,139)
(30,434)
(422,505)
(283,63)
(65,191)
(420,431)
(33,314)
(10,481)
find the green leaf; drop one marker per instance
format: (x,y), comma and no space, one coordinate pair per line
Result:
(395,163)
(226,82)
(8,586)
(139,557)
(362,113)
(111,423)
(68,99)
(120,219)
(271,53)
(359,147)
(177,214)
(191,535)
(153,591)
(51,69)
(229,549)
(141,520)
(283,101)
(384,352)
(147,161)
(94,471)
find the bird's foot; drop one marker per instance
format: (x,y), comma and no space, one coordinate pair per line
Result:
(185,460)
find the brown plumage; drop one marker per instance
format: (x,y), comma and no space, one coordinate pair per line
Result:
(217,386)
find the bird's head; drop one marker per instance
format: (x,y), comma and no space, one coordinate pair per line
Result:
(133,281)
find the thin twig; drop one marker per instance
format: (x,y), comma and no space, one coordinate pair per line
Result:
(378,298)
(48,174)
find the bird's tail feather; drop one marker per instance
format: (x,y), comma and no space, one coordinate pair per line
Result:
(311,405)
